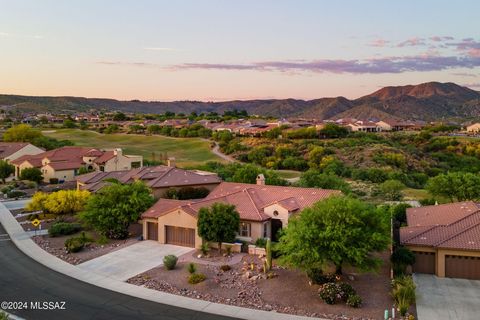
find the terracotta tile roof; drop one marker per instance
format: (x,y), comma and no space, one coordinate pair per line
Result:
(65,165)
(9,148)
(164,206)
(250,199)
(442,214)
(154,177)
(72,154)
(452,226)
(107,155)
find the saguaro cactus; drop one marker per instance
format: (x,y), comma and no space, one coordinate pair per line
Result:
(268,249)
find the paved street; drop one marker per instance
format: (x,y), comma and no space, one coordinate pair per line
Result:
(132,260)
(23,279)
(447,298)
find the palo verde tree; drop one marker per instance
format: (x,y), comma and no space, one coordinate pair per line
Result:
(340,231)
(111,210)
(457,186)
(218,223)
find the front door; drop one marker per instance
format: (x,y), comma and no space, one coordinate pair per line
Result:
(276,227)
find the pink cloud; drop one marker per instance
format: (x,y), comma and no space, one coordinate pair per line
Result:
(379,43)
(412,42)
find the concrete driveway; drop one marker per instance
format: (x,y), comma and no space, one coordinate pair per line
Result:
(447,298)
(127,262)
(16,204)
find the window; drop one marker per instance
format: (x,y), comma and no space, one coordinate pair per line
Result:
(275,213)
(245,229)
(265,230)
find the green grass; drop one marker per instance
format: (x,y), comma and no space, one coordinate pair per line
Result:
(288,174)
(189,152)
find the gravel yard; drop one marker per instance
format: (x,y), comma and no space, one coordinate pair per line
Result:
(287,292)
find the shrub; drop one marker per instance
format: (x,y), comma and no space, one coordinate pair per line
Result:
(225,267)
(74,244)
(403,293)
(261,242)
(345,290)
(329,292)
(53,180)
(15,194)
(401,258)
(196,278)
(317,276)
(63,228)
(170,261)
(354,301)
(192,268)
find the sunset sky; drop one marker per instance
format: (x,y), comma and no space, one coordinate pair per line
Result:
(223,50)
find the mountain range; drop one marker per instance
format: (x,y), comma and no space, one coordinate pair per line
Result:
(426,101)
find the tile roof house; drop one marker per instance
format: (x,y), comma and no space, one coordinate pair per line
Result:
(63,163)
(10,151)
(263,210)
(445,239)
(158,178)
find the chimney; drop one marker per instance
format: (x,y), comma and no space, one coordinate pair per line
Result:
(171,162)
(117,151)
(261,179)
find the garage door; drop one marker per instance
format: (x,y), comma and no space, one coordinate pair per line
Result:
(462,267)
(152,231)
(424,262)
(180,236)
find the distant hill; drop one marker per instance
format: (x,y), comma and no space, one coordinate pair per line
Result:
(426,101)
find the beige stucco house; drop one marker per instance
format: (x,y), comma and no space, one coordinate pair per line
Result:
(64,163)
(474,128)
(10,151)
(263,211)
(445,239)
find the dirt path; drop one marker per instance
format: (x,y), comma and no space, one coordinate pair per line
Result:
(217,152)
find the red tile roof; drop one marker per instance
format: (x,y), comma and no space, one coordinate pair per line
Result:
(64,154)
(9,148)
(249,200)
(154,177)
(451,226)
(442,214)
(107,155)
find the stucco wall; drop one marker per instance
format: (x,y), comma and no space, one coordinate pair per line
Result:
(65,175)
(19,168)
(283,214)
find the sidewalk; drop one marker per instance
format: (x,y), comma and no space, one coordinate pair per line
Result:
(28,247)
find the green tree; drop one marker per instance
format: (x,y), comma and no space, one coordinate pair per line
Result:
(119,116)
(218,223)
(391,190)
(111,210)
(21,133)
(316,179)
(6,169)
(331,130)
(69,123)
(31,174)
(339,230)
(457,186)
(113,128)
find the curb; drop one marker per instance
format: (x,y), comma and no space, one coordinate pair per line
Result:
(31,249)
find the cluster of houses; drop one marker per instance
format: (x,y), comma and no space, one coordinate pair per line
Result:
(243,127)
(66,163)
(444,238)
